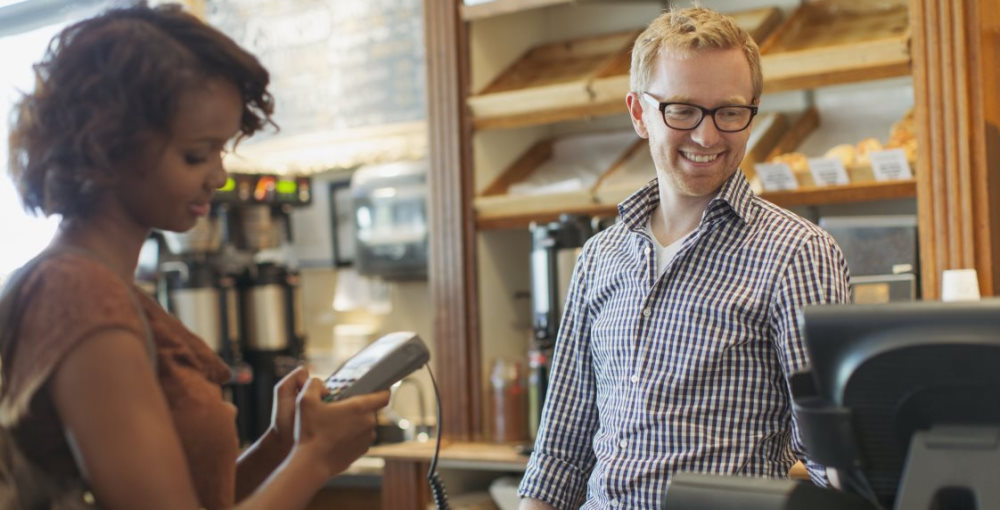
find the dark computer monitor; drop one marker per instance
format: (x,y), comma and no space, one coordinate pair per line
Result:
(902,399)
(883,377)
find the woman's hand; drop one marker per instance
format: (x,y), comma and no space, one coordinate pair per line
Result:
(282,428)
(336,433)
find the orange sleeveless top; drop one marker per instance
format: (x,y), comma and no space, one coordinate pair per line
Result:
(70,297)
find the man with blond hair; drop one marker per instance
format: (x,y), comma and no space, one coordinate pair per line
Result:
(680,330)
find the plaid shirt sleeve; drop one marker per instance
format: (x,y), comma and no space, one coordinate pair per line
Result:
(816,274)
(563,454)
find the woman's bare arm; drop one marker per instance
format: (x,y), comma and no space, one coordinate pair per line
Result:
(122,434)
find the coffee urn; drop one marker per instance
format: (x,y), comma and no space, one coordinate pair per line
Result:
(206,302)
(275,341)
(555,247)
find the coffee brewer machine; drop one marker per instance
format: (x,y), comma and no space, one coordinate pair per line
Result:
(274,341)
(232,281)
(554,249)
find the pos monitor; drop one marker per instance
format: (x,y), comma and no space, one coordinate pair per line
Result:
(902,400)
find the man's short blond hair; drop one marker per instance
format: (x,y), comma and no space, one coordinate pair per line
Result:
(684,32)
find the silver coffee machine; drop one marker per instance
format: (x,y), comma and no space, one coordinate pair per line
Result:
(231,280)
(206,302)
(555,247)
(275,339)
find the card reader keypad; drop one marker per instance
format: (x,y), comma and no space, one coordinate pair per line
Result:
(337,385)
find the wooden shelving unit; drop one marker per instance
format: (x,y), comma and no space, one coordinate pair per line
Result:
(575,79)
(835,42)
(818,45)
(492,8)
(823,195)
(850,193)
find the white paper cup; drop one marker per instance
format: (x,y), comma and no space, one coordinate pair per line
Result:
(959,285)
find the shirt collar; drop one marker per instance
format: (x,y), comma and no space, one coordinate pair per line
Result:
(735,196)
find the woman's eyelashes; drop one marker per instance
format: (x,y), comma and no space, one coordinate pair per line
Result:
(195,159)
(200,157)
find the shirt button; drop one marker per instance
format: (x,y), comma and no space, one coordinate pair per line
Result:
(623,443)
(635,378)
(646,251)
(647,312)
(614,503)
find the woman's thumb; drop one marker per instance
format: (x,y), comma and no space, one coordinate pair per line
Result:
(312,389)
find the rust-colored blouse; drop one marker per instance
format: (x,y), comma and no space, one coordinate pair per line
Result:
(70,297)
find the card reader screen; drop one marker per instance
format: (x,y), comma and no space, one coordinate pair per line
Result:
(361,362)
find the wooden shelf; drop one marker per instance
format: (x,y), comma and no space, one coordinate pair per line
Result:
(820,44)
(574,79)
(498,7)
(462,455)
(860,192)
(830,42)
(826,195)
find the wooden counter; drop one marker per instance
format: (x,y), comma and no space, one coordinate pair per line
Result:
(404,486)
(461,455)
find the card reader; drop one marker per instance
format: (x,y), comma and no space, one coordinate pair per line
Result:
(378,366)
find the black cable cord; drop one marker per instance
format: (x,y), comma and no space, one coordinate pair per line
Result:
(433,478)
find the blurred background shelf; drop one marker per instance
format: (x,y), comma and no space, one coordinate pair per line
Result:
(546,210)
(822,43)
(489,8)
(850,193)
(831,42)
(576,78)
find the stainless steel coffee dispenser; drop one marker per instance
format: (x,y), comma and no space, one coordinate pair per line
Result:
(275,341)
(554,249)
(206,303)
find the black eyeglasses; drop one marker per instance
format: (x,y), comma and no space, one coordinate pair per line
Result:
(686,116)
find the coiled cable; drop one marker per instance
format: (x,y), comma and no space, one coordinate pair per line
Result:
(438,493)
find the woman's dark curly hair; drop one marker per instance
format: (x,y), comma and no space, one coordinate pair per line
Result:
(107,90)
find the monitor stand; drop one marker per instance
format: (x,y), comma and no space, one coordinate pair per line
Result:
(952,468)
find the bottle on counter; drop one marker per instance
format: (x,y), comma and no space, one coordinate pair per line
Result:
(509,402)
(538,379)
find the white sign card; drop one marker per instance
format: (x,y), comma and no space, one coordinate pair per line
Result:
(828,171)
(776,176)
(889,165)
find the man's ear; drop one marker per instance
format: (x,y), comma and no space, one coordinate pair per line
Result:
(634,104)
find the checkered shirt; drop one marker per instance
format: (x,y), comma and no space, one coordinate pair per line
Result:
(686,371)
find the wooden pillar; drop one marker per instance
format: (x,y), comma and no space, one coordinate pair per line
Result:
(452,271)
(955,54)
(404,485)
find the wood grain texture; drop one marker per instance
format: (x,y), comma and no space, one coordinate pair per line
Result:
(404,485)
(452,266)
(957,118)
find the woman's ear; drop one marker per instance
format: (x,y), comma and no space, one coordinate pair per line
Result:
(634,104)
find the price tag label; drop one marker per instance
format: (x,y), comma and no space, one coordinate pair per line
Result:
(889,165)
(776,176)
(828,171)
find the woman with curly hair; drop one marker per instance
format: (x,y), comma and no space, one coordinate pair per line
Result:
(123,133)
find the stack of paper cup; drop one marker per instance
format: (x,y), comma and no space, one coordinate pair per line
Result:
(959,285)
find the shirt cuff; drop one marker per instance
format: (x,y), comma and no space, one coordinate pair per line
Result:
(553,481)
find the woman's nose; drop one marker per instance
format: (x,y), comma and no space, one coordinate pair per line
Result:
(218,176)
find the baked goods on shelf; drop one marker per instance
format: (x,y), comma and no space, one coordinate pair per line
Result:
(903,135)
(856,157)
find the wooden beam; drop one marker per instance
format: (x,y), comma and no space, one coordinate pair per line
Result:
(452,266)
(404,485)
(955,50)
